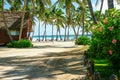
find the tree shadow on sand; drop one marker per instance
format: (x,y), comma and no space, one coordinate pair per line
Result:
(49,66)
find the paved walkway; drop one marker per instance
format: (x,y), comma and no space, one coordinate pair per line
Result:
(46,61)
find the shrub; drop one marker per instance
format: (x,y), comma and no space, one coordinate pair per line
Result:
(24,43)
(83,40)
(106,38)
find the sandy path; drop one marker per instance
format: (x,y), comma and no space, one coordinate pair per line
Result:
(46,61)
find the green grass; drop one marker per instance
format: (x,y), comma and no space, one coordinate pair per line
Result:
(105,68)
(101,63)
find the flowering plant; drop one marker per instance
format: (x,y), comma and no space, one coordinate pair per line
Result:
(106,40)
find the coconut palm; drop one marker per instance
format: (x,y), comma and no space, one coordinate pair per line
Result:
(91,11)
(110,4)
(16,5)
(59,22)
(22,21)
(46,21)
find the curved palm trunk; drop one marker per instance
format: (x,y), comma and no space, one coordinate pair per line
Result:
(29,27)
(83,19)
(78,32)
(91,11)
(68,34)
(110,4)
(74,32)
(59,33)
(22,21)
(100,9)
(44,35)
(65,33)
(52,32)
(39,31)
(33,32)
(6,27)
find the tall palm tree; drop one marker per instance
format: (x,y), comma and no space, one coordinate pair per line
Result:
(6,26)
(91,11)
(83,17)
(59,21)
(110,4)
(22,21)
(16,5)
(46,21)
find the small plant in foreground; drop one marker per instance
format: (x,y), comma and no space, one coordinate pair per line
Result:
(24,43)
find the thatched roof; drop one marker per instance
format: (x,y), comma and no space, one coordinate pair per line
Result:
(13,20)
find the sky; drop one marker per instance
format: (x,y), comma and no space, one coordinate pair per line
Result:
(71,31)
(49,27)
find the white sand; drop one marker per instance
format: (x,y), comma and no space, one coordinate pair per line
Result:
(21,64)
(39,48)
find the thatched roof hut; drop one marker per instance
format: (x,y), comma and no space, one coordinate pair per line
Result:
(13,20)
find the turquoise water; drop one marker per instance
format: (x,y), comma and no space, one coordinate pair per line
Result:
(49,37)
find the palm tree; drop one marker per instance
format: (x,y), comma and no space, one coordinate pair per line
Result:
(110,4)
(6,26)
(83,17)
(16,5)
(59,21)
(22,21)
(91,11)
(46,20)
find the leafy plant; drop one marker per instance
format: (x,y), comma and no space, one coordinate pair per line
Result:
(24,43)
(106,38)
(83,40)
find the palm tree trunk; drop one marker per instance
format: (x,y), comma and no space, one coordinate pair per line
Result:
(77,32)
(57,34)
(29,27)
(22,21)
(65,33)
(110,4)
(68,34)
(39,31)
(52,32)
(100,9)
(45,32)
(91,11)
(74,32)
(44,35)
(83,19)
(6,27)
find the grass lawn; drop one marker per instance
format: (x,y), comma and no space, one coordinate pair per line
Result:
(105,69)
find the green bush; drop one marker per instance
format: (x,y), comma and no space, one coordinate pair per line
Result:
(106,39)
(83,40)
(24,43)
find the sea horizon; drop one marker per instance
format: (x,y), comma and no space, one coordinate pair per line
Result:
(49,37)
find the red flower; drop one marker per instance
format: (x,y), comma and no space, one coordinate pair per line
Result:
(111,28)
(110,52)
(114,41)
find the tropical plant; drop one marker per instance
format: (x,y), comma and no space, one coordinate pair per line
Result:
(23,43)
(104,46)
(83,40)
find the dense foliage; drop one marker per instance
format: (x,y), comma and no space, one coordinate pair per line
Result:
(83,40)
(106,39)
(24,43)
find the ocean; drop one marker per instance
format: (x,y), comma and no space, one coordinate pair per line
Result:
(49,37)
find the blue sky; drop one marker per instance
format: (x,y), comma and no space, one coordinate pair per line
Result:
(62,30)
